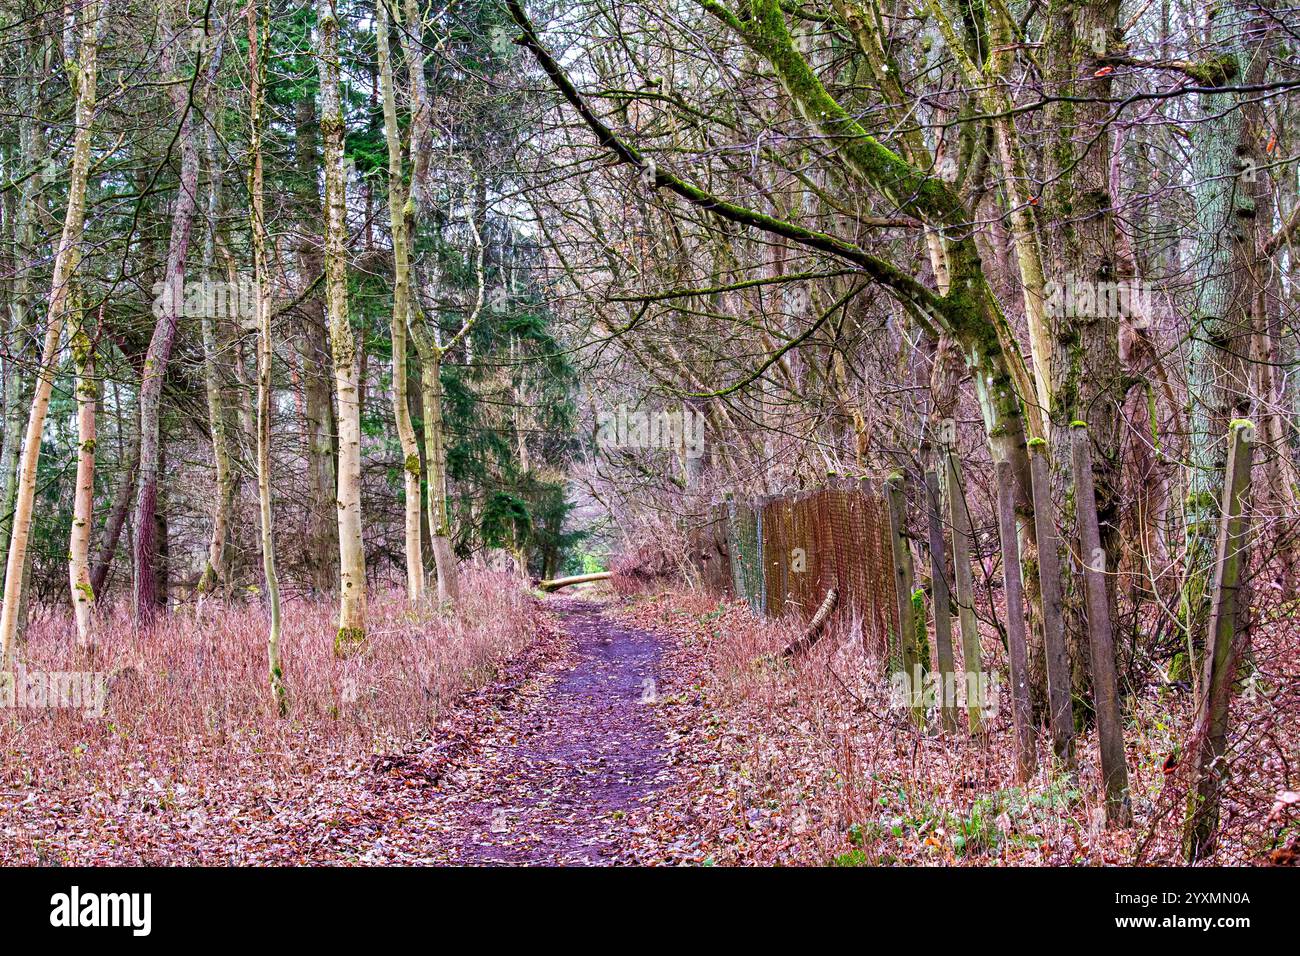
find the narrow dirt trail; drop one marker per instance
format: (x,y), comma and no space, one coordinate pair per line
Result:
(561,776)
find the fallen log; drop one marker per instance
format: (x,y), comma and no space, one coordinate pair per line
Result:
(556,583)
(815,627)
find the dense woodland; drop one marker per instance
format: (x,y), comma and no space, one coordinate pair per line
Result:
(319,309)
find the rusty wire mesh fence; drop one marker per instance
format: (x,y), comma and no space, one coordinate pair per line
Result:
(782,554)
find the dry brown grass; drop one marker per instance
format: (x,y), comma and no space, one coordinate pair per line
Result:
(812,763)
(189,725)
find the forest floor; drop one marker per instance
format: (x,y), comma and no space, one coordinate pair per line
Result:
(656,729)
(575,756)
(554,752)
(563,760)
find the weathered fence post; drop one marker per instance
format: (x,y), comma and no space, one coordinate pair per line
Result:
(1017,645)
(942,603)
(1224,643)
(912,680)
(1061,714)
(1110,730)
(964,582)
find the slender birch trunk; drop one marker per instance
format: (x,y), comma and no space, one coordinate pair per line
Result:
(83,75)
(86,388)
(215,571)
(435,456)
(401,314)
(257,224)
(993,80)
(20,332)
(427,343)
(436,439)
(312,334)
(347,373)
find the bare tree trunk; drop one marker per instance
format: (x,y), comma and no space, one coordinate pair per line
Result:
(1273,352)
(964,593)
(83,517)
(993,79)
(1105,686)
(432,353)
(83,74)
(257,223)
(1017,644)
(1221,315)
(1227,639)
(1060,712)
(428,346)
(19,349)
(343,345)
(557,583)
(320,434)
(1084,247)
(435,456)
(162,572)
(215,572)
(401,315)
(147,596)
(812,633)
(942,602)
(908,660)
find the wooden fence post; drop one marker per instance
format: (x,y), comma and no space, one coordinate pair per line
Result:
(903,585)
(942,603)
(1224,642)
(964,582)
(1017,645)
(1101,644)
(1061,714)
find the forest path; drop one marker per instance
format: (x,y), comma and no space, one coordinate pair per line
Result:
(559,779)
